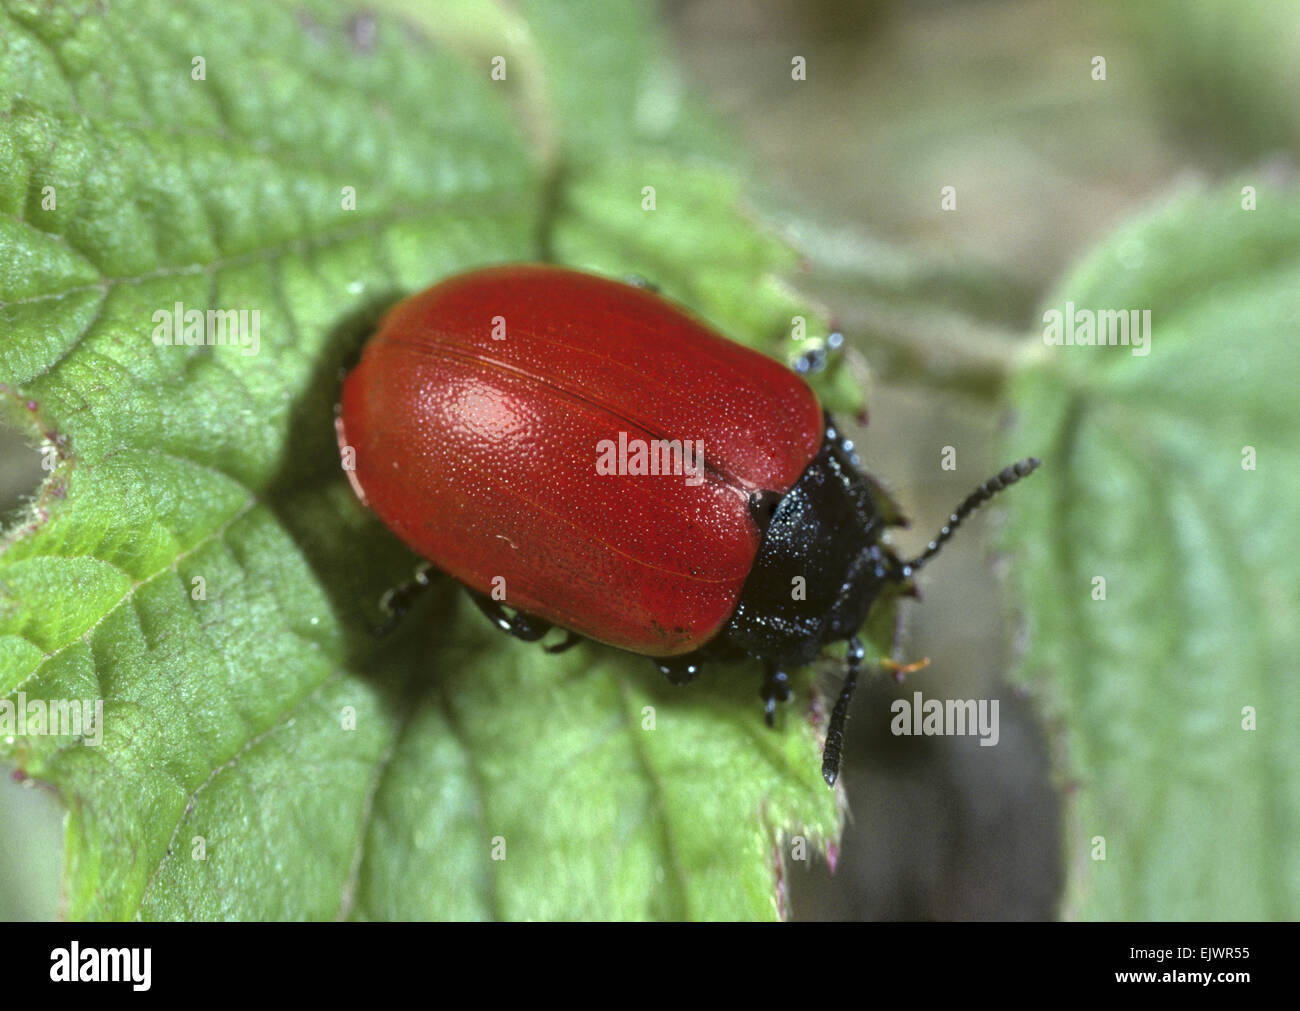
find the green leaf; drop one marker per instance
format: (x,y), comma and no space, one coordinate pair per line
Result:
(1146,483)
(196,561)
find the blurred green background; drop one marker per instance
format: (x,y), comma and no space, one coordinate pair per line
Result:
(994,97)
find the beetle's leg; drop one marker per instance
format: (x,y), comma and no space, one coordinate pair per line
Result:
(521,626)
(571,639)
(816,359)
(637,281)
(679,670)
(835,732)
(776,688)
(397,601)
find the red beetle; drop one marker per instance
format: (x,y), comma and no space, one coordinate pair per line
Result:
(585,451)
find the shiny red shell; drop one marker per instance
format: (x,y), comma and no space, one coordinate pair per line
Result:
(481,453)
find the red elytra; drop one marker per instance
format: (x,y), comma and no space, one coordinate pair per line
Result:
(481,453)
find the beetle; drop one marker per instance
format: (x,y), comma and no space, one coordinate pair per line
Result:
(608,464)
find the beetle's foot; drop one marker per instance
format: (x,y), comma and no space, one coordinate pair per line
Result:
(397,601)
(571,639)
(816,359)
(522,626)
(384,628)
(678,671)
(776,688)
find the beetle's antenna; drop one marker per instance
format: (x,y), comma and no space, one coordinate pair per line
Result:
(835,731)
(974,500)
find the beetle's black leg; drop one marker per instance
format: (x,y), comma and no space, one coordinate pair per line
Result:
(816,359)
(397,601)
(571,639)
(776,688)
(679,670)
(521,626)
(835,732)
(637,281)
